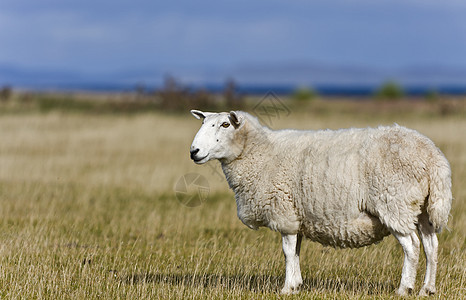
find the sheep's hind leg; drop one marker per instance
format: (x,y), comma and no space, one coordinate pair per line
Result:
(430,243)
(291,248)
(411,245)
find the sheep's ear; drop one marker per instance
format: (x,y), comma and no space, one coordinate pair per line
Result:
(198,114)
(234,119)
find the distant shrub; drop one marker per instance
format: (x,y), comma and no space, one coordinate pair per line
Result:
(5,93)
(172,96)
(432,96)
(390,91)
(201,98)
(304,94)
(233,100)
(176,97)
(64,103)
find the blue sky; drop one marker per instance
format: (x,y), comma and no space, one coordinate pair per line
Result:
(190,37)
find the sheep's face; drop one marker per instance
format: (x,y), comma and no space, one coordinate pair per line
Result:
(217,137)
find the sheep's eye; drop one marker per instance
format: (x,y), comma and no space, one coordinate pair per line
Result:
(225,124)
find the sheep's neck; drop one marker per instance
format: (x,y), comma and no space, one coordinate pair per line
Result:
(246,167)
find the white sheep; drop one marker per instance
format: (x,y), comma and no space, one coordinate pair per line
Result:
(344,188)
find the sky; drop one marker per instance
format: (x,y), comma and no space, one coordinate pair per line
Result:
(188,38)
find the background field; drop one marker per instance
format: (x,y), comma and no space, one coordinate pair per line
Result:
(88,210)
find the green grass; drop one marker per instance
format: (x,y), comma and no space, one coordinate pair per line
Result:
(88,210)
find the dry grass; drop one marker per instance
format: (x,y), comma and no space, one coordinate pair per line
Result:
(89,211)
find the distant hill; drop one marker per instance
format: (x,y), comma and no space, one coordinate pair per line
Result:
(252,78)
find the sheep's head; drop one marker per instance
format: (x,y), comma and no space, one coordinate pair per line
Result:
(218,137)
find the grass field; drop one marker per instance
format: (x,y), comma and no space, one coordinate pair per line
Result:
(88,210)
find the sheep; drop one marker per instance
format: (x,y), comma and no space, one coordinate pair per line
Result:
(343,188)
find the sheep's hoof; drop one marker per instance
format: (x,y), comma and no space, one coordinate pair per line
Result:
(404,291)
(288,290)
(427,291)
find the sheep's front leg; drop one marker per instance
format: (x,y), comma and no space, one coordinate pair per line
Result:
(291,248)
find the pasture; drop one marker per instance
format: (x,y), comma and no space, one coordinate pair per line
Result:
(88,210)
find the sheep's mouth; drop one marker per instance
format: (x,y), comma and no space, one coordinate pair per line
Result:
(198,160)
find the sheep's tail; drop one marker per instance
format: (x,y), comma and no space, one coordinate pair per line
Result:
(440,197)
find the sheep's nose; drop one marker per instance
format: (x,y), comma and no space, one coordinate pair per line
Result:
(193,152)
